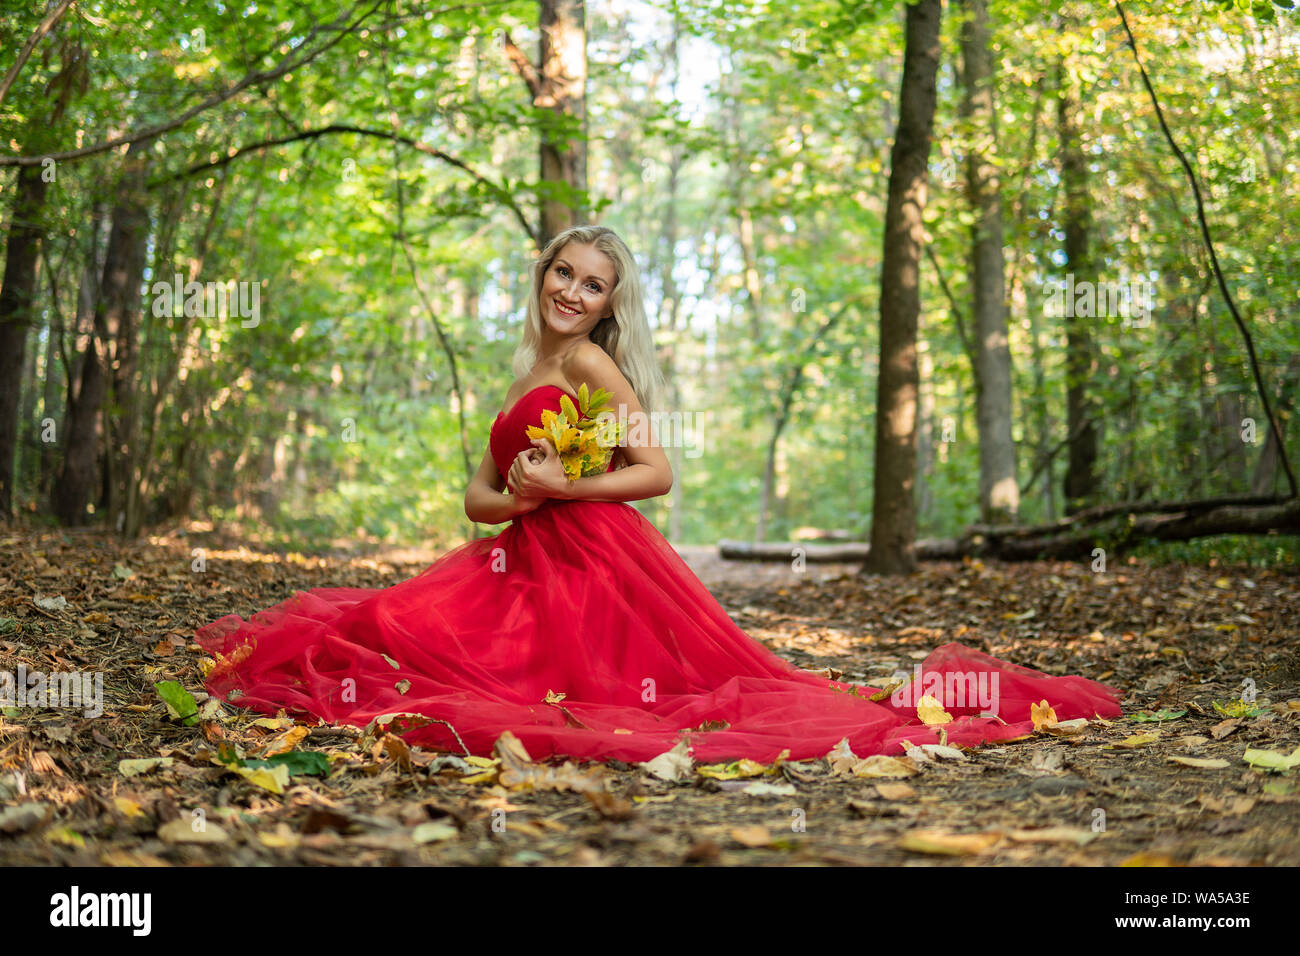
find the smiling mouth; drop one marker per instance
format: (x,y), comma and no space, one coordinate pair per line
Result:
(564,309)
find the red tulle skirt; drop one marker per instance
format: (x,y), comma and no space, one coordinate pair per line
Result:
(587,600)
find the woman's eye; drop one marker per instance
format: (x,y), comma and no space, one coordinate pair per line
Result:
(593,287)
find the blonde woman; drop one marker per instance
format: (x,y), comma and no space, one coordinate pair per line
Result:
(578,628)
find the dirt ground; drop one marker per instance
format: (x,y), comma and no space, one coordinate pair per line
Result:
(1185,643)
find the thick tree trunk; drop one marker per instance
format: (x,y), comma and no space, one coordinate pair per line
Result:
(17,308)
(563,75)
(999,490)
(1080,478)
(893,524)
(119,301)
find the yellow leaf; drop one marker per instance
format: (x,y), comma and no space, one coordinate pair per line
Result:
(1042,715)
(570,412)
(127,806)
(1138,740)
(931,711)
(273,723)
(286,741)
(274,779)
(65,836)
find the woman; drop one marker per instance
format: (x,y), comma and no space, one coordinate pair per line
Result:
(578,627)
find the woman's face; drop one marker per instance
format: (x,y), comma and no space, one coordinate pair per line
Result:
(576,289)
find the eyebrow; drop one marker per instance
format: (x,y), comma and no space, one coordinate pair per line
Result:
(559,259)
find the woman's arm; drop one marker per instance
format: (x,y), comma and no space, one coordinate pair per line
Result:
(484,501)
(647,473)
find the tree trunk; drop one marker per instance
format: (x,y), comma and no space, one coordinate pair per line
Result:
(22,253)
(119,293)
(1269,475)
(893,524)
(1080,478)
(563,89)
(999,489)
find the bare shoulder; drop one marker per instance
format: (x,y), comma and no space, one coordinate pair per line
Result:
(591,364)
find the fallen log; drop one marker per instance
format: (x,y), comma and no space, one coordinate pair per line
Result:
(1112,528)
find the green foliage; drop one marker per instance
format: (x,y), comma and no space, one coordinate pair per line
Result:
(335,418)
(1255,551)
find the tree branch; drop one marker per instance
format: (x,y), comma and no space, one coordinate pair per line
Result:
(496,189)
(523,66)
(292,61)
(46,25)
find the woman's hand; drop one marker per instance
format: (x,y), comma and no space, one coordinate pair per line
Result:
(538,473)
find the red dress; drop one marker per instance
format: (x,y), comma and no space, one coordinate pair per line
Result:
(588,600)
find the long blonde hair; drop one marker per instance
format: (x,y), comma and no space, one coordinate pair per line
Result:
(625,335)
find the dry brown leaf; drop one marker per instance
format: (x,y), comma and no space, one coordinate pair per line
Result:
(880,765)
(1067,728)
(183,831)
(895,791)
(671,765)
(609,806)
(42,762)
(398,750)
(752,836)
(1205,763)
(1225,727)
(841,758)
(1076,835)
(942,843)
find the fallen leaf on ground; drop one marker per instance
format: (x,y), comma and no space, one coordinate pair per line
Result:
(895,791)
(941,843)
(880,765)
(1271,759)
(670,766)
(1205,763)
(1225,727)
(752,836)
(1076,835)
(129,768)
(183,831)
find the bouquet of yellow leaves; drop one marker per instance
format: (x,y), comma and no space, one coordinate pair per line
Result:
(584,436)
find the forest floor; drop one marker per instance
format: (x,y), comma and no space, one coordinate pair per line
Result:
(1166,784)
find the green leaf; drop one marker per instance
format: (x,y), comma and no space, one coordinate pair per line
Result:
(297,762)
(1271,759)
(180,703)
